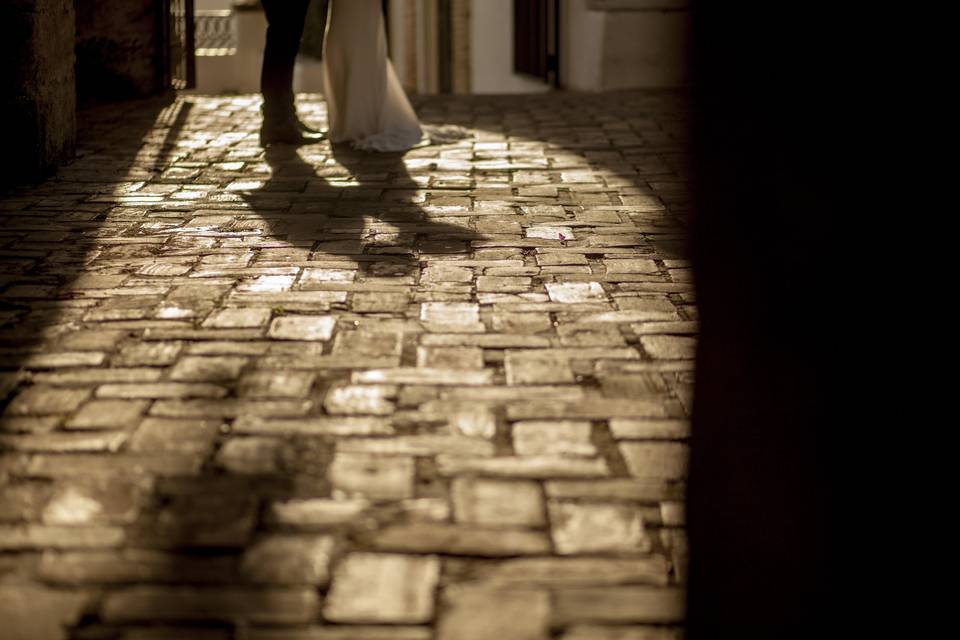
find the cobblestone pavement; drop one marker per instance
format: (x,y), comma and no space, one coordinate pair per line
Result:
(318,394)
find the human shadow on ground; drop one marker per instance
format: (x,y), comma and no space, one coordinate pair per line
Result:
(342,204)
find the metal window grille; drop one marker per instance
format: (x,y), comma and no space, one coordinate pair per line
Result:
(214,29)
(181,44)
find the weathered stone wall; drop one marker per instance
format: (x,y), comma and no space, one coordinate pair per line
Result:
(37,99)
(116,49)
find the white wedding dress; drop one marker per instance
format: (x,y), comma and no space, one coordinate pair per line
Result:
(366,104)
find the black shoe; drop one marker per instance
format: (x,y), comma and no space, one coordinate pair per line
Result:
(288,132)
(282,126)
(308,129)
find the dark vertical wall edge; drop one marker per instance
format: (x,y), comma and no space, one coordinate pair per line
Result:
(119,44)
(794,168)
(37,90)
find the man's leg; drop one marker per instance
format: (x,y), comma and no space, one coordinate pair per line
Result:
(285,20)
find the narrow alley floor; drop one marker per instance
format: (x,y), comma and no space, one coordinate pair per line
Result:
(320,394)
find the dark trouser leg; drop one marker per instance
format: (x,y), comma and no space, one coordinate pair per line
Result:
(285,20)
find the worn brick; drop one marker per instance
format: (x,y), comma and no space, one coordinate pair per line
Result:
(376,477)
(666,460)
(33,612)
(591,528)
(478,613)
(40,400)
(150,354)
(383,588)
(207,369)
(230,604)
(302,328)
(108,414)
(289,560)
(360,399)
(575,572)
(238,318)
(497,502)
(276,384)
(646,604)
(537,367)
(558,437)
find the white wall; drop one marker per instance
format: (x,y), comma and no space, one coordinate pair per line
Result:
(623,44)
(491,51)
(645,49)
(581,46)
(251,30)
(206,5)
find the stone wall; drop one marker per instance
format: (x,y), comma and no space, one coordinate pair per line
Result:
(37,98)
(116,49)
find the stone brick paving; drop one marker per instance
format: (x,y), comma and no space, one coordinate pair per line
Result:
(318,394)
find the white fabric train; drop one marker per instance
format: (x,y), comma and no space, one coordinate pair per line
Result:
(365,101)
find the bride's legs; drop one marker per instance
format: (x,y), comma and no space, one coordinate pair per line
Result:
(351,59)
(365,101)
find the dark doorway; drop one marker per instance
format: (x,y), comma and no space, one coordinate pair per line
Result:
(536,39)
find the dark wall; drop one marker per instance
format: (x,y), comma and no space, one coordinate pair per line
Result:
(55,54)
(37,99)
(796,172)
(116,49)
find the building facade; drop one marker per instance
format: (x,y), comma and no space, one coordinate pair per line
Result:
(472,46)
